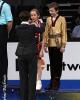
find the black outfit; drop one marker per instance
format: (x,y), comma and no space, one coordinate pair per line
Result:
(3,52)
(55,57)
(27,59)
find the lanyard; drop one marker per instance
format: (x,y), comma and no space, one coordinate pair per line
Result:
(1,7)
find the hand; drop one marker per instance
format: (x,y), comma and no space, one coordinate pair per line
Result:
(46,49)
(62,49)
(41,54)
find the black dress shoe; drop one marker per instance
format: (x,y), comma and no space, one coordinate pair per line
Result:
(56,85)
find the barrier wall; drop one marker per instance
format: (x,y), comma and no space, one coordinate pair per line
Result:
(71,65)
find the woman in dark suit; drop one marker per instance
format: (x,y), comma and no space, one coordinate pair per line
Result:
(27,59)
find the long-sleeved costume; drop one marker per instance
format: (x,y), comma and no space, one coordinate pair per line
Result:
(55,37)
(53,29)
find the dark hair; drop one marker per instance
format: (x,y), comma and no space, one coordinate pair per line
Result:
(53,4)
(24,15)
(36,10)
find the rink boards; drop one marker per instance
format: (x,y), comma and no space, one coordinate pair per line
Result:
(71,66)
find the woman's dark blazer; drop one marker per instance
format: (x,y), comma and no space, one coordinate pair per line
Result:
(26,38)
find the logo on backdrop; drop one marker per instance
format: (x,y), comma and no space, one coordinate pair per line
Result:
(70,67)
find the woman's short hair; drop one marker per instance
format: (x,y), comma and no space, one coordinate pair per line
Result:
(24,15)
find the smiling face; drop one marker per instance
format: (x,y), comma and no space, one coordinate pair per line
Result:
(34,16)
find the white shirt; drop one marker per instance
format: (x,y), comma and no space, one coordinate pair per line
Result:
(24,22)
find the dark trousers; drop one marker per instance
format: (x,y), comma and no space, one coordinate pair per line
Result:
(28,73)
(3,52)
(55,57)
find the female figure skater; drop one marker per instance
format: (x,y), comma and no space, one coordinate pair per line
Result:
(35,18)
